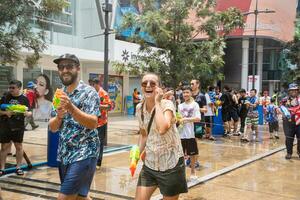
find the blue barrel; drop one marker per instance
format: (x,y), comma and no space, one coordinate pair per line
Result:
(260,115)
(52,148)
(129,105)
(218,128)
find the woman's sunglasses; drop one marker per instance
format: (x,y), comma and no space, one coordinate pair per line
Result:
(145,83)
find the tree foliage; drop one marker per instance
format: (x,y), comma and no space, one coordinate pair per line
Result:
(293,57)
(179,56)
(16,32)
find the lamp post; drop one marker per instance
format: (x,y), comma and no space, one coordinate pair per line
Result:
(104,24)
(256,12)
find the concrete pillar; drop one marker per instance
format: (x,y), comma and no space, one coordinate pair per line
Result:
(245,64)
(271,88)
(18,73)
(260,53)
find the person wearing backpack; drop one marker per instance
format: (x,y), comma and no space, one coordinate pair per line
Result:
(272,112)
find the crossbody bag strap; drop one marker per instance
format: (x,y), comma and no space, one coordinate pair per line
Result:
(151,119)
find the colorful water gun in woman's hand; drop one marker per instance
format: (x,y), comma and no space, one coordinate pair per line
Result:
(134,157)
(16,108)
(56,99)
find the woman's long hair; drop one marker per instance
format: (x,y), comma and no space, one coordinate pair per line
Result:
(49,95)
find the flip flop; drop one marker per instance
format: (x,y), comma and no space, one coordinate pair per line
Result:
(19,172)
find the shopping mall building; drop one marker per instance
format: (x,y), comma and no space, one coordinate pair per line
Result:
(67,34)
(273,31)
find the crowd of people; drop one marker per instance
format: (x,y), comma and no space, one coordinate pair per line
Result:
(169,122)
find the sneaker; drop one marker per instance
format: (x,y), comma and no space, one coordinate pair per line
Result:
(19,172)
(276,137)
(35,127)
(288,156)
(193,178)
(211,138)
(197,165)
(237,134)
(244,139)
(188,162)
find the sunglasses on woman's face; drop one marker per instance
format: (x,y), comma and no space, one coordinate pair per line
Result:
(12,88)
(68,66)
(145,83)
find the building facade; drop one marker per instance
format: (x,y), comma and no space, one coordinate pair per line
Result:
(273,31)
(66,33)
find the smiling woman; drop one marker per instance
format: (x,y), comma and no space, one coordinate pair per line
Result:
(159,143)
(44,98)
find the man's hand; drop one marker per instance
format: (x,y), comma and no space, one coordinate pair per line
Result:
(65,103)
(8,114)
(61,112)
(27,114)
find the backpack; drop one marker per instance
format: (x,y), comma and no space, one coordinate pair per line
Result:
(271,113)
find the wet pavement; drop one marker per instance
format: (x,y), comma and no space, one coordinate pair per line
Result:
(249,172)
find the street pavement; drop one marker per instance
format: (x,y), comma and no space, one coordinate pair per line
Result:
(228,169)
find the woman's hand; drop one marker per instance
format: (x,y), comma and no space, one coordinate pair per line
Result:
(158,94)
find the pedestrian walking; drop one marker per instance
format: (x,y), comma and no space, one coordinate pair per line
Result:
(190,113)
(199,97)
(31,96)
(159,141)
(291,120)
(77,119)
(252,115)
(105,106)
(12,125)
(272,112)
(243,111)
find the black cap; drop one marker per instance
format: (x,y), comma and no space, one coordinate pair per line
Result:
(242,90)
(67,56)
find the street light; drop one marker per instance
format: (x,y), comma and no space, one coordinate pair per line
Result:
(256,12)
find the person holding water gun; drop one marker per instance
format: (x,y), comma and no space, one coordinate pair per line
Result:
(12,127)
(159,143)
(75,115)
(291,126)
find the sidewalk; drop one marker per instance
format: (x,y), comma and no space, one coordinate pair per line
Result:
(114,181)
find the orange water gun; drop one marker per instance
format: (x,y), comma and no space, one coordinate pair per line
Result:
(134,157)
(56,99)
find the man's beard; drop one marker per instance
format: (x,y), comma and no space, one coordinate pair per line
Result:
(70,81)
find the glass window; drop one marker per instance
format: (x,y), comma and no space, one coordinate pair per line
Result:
(6,75)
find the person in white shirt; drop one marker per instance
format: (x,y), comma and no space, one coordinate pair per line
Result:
(190,113)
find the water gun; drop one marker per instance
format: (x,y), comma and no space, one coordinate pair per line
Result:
(134,157)
(56,98)
(178,118)
(18,108)
(218,104)
(285,112)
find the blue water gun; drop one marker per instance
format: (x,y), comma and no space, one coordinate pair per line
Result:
(285,112)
